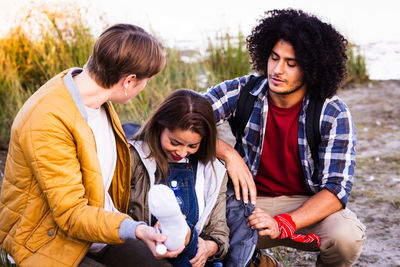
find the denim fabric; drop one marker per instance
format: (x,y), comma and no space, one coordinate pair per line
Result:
(130,129)
(243,239)
(185,175)
(213,264)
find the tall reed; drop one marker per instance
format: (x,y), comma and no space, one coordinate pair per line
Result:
(45,42)
(226,58)
(38,47)
(177,74)
(356,66)
(4,261)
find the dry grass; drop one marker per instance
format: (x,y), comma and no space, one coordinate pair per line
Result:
(47,40)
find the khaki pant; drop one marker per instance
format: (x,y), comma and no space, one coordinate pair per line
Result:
(342,234)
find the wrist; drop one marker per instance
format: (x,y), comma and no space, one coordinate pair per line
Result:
(287,228)
(224,150)
(139,231)
(286,225)
(127,229)
(211,247)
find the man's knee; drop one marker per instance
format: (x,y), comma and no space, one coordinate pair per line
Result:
(342,240)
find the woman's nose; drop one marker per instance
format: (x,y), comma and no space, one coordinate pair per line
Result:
(182,152)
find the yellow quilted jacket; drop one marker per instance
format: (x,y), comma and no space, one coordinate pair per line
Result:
(52,194)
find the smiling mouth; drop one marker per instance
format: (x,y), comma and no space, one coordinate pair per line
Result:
(175,157)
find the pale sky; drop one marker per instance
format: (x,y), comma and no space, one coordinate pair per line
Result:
(360,21)
(372,24)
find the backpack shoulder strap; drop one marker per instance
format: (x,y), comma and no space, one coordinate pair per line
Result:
(130,129)
(313,134)
(244,107)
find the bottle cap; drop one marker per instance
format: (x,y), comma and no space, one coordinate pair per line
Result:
(161,249)
(174,183)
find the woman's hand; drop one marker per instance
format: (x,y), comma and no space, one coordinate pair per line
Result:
(205,249)
(149,236)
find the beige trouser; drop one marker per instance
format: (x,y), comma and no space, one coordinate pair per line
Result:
(342,234)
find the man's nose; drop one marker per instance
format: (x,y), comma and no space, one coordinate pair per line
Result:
(279,67)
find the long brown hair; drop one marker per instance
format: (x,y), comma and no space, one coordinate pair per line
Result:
(185,110)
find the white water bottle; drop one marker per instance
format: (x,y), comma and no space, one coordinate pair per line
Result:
(175,188)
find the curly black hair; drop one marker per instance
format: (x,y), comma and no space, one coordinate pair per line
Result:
(320,50)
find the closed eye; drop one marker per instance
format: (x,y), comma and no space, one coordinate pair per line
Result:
(291,63)
(174,143)
(194,146)
(274,56)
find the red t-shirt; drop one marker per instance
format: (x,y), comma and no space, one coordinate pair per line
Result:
(280,171)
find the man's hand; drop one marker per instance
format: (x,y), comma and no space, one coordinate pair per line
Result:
(149,236)
(264,223)
(238,172)
(205,249)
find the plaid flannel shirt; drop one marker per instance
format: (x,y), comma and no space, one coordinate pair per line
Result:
(338,136)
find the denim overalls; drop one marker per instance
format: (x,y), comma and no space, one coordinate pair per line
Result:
(185,175)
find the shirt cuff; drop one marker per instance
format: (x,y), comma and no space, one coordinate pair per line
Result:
(127,229)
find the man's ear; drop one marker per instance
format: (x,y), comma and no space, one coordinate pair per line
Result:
(129,81)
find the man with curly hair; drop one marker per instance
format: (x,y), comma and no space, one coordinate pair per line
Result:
(301,58)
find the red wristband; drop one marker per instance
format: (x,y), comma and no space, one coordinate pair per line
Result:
(310,238)
(287,227)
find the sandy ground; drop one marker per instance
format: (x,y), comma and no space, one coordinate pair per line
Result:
(375,197)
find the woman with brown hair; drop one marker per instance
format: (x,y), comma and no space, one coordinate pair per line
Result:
(177,147)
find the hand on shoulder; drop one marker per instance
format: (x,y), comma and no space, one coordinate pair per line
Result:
(238,171)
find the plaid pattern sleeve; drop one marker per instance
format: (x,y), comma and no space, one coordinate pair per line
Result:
(336,152)
(223,98)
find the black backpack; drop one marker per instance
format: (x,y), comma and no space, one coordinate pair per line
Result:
(245,106)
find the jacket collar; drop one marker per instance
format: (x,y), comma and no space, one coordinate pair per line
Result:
(73,90)
(149,162)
